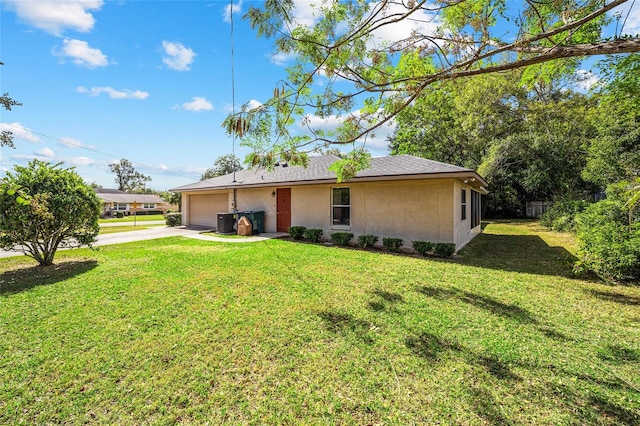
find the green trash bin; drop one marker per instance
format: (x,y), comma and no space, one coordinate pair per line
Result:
(256,219)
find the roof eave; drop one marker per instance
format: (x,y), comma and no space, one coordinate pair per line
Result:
(475,180)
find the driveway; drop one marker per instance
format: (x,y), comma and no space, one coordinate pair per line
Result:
(155,233)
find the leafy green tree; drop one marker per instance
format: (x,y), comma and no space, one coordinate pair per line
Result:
(63,211)
(222,166)
(614,152)
(368,81)
(460,121)
(6,136)
(172,198)
(127,178)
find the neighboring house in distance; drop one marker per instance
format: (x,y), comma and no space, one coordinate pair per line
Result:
(114,200)
(398,196)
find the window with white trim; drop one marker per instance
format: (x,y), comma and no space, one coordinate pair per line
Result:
(463,204)
(341,207)
(148,206)
(120,206)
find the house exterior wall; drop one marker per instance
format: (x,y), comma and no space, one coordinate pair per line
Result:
(463,231)
(428,210)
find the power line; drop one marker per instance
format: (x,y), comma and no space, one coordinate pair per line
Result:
(82,146)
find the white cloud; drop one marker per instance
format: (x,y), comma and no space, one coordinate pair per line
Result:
(178,57)
(79,161)
(56,16)
(70,143)
(113,93)
(253,104)
(45,152)
(629,17)
(198,104)
(305,13)
(81,54)
(19,131)
(586,79)
(280,58)
(421,22)
(376,141)
(236,9)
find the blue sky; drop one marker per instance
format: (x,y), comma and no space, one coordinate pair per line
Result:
(149,81)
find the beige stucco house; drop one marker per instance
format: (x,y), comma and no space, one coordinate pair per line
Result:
(114,201)
(398,196)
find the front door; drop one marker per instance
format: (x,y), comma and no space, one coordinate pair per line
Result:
(283,209)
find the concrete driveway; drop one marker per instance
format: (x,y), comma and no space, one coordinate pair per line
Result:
(155,233)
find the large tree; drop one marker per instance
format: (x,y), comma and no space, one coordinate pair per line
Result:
(127,178)
(63,211)
(368,77)
(223,165)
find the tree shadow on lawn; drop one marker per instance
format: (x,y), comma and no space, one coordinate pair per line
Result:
(344,323)
(623,299)
(494,306)
(584,406)
(24,279)
(518,253)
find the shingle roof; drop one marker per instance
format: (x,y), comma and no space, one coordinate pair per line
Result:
(318,170)
(130,198)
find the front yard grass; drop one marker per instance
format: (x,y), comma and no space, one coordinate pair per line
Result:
(138,218)
(187,331)
(126,228)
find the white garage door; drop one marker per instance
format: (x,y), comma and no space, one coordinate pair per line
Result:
(204,209)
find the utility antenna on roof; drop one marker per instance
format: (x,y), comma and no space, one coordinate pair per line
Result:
(233,90)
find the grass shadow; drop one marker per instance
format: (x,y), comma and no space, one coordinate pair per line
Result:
(429,346)
(23,279)
(518,253)
(623,299)
(618,354)
(494,306)
(343,323)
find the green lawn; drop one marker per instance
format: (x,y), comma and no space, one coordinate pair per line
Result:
(138,218)
(187,331)
(126,228)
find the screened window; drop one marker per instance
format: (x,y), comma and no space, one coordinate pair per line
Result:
(148,206)
(463,204)
(120,206)
(341,207)
(476,209)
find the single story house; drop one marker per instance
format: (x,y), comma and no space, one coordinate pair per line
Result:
(114,200)
(398,196)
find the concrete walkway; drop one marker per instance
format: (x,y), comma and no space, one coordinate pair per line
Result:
(164,232)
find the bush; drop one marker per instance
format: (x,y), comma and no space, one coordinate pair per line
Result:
(173,219)
(422,247)
(561,216)
(119,215)
(444,249)
(341,238)
(297,232)
(392,244)
(367,240)
(608,245)
(313,234)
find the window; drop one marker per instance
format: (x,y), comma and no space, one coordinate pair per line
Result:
(120,206)
(476,209)
(463,204)
(148,206)
(341,207)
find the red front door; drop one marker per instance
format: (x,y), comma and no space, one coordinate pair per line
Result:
(283,209)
